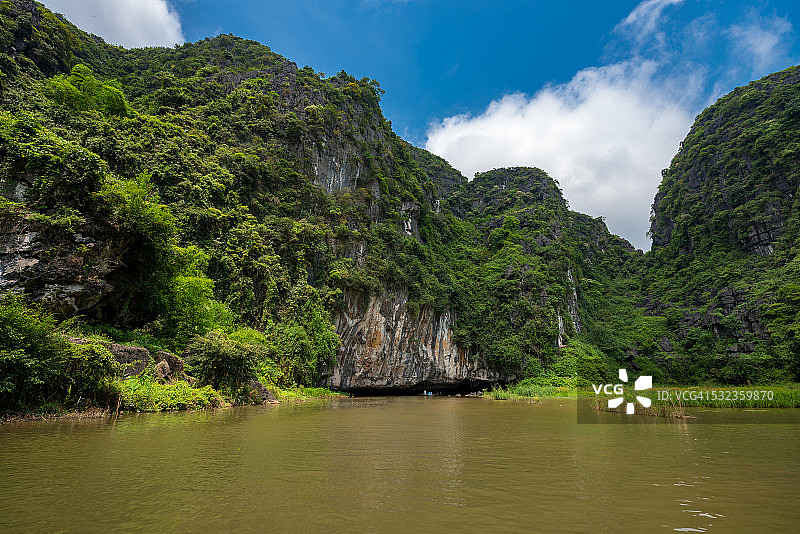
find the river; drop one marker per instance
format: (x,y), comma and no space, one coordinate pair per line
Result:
(398,464)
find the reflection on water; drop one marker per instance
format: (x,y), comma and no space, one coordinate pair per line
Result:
(406,464)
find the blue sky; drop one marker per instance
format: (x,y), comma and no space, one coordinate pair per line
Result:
(433,58)
(599,94)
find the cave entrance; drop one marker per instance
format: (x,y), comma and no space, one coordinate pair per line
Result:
(460,388)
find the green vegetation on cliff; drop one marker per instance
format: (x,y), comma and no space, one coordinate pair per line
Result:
(724,268)
(38,366)
(215,197)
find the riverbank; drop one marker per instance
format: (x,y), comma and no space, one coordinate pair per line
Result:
(668,401)
(92,412)
(143,394)
(530,392)
(674,402)
(539,387)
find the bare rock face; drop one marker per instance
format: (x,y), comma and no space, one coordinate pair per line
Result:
(172,368)
(46,263)
(134,359)
(336,167)
(386,348)
(261,394)
(162,371)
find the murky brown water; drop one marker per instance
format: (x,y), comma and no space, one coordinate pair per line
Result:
(403,464)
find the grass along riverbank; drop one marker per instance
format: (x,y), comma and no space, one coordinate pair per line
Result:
(673,400)
(146,394)
(665,400)
(539,387)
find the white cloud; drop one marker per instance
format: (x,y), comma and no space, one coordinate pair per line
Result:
(605,136)
(130,23)
(607,133)
(643,20)
(762,41)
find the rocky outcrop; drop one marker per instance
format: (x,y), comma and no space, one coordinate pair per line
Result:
(572,303)
(133,360)
(384,347)
(733,315)
(761,237)
(410,213)
(170,368)
(259,393)
(336,167)
(67,271)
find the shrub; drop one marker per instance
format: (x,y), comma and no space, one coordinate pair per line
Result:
(582,360)
(193,311)
(86,371)
(144,393)
(136,205)
(265,353)
(81,91)
(755,368)
(221,362)
(38,366)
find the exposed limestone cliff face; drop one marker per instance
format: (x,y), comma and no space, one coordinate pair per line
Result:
(338,163)
(572,303)
(68,271)
(385,347)
(336,168)
(572,309)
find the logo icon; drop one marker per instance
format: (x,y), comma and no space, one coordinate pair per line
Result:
(642,383)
